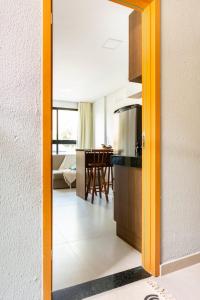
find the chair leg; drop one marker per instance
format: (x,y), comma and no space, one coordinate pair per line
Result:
(112,178)
(88,183)
(94,185)
(99,182)
(104,184)
(95,190)
(108,183)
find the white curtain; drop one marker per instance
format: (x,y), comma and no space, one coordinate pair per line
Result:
(85,128)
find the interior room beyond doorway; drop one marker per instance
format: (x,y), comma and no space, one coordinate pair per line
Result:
(96,143)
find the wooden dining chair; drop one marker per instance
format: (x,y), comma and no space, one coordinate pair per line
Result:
(97,164)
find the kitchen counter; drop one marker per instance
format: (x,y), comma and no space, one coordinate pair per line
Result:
(126,161)
(128,199)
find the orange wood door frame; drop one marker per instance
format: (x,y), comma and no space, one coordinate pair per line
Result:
(135,4)
(151,127)
(47,149)
(150,10)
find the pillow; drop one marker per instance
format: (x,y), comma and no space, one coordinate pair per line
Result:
(73,167)
(68,161)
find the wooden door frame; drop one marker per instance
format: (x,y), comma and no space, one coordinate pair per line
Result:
(150,10)
(47,151)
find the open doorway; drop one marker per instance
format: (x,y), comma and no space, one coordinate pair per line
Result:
(150,10)
(97,140)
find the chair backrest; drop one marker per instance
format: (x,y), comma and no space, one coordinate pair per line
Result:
(96,156)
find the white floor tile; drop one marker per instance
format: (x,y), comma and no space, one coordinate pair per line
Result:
(183,284)
(107,254)
(58,238)
(68,269)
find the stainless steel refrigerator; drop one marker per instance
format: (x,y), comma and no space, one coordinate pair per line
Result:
(128,131)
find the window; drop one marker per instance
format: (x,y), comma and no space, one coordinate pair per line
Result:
(65,126)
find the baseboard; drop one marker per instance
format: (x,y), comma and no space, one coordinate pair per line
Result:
(180,263)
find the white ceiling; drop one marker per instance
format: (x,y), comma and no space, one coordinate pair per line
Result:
(83,69)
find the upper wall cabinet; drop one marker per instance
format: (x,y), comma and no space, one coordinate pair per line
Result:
(135,47)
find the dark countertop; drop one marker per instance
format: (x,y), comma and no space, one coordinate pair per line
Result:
(135,162)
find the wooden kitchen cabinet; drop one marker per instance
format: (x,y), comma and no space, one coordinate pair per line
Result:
(135,47)
(128,204)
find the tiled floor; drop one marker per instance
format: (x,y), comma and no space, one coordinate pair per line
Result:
(183,284)
(180,285)
(85,245)
(135,291)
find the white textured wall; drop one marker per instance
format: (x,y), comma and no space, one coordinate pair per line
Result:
(20,136)
(20,150)
(180,117)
